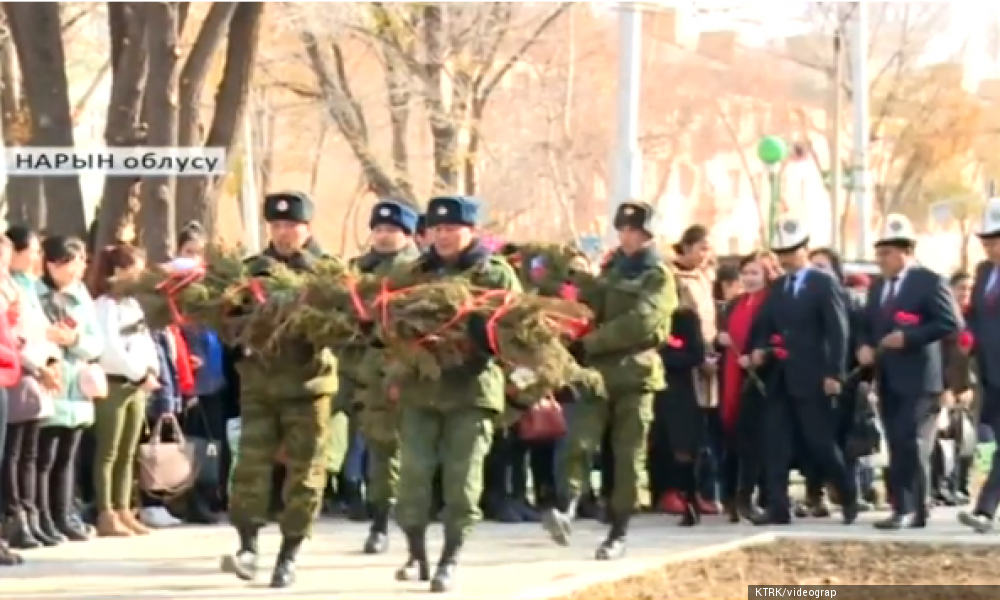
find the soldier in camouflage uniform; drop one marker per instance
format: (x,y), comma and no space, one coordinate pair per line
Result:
(633,300)
(361,372)
(285,403)
(449,422)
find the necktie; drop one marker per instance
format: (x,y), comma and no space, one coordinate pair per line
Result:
(890,296)
(790,285)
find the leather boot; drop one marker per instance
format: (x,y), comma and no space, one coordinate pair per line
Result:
(417,566)
(18,533)
(444,575)
(284,568)
(613,548)
(127,518)
(72,527)
(243,564)
(692,513)
(9,558)
(558,520)
(109,525)
(378,535)
(35,526)
(48,526)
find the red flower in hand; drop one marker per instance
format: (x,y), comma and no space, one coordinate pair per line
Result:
(568,291)
(675,342)
(966,341)
(777,340)
(780,353)
(905,318)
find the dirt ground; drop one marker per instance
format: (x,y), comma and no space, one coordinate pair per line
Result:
(727,576)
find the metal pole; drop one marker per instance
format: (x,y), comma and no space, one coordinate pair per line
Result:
(774,181)
(836,132)
(862,127)
(628,158)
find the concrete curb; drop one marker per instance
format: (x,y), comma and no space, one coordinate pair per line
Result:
(571,585)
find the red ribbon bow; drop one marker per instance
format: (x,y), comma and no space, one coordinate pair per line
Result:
(905,318)
(675,342)
(174,284)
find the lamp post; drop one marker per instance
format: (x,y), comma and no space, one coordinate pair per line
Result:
(772,151)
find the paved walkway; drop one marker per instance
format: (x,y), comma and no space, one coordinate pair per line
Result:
(512,561)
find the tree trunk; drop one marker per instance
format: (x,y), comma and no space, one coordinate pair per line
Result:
(192,84)
(37,34)
(23,193)
(156,208)
(129,64)
(230,106)
(443,128)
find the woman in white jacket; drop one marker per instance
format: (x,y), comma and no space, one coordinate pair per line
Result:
(131,363)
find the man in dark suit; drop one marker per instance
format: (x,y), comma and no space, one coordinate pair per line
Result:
(803,329)
(908,312)
(984,323)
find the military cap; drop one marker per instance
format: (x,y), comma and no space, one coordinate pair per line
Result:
(288,206)
(639,215)
(790,234)
(397,214)
(897,230)
(452,210)
(991,220)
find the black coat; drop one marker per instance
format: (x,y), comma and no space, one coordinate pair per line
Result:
(677,407)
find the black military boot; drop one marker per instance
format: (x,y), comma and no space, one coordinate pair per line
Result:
(417,566)
(444,575)
(18,534)
(613,548)
(378,535)
(558,520)
(243,564)
(284,568)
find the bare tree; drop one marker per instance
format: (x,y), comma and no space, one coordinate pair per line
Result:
(156,207)
(36,29)
(200,195)
(448,59)
(129,66)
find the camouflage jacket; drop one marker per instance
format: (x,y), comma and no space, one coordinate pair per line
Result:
(351,360)
(284,374)
(633,300)
(482,382)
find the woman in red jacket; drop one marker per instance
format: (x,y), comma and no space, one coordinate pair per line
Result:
(741,396)
(10,361)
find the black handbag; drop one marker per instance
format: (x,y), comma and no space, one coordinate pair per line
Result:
(207,454)
(865,435)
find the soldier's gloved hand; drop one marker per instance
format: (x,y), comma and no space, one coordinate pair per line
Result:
(478,333)
(324,385)
(578,351)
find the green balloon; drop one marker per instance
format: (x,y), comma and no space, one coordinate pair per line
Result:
(771,150)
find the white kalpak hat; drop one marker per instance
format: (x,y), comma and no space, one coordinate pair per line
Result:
(896,229)
(991,219)
(790,234)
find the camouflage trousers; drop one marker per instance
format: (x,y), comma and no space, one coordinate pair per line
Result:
(301,427)
(628,416)
(383,471)
(457,441)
